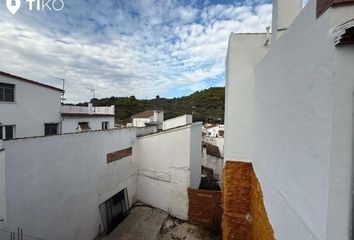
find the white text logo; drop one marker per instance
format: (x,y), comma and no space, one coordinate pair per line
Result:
(36,5)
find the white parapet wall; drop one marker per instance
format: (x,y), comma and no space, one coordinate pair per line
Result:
(177,122)
(54,185)
(168,163)
(70,124)
(303,129)
(245,51)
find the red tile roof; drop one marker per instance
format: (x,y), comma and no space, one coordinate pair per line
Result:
(212,150)
(30,81)
(145,114)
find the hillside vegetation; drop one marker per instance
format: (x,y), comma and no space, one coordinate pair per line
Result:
(206,106)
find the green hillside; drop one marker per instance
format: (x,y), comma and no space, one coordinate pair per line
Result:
(206,105)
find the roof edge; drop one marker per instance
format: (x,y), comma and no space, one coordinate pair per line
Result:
(30,81)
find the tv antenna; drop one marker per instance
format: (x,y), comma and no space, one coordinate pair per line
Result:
(63,87)
(92,90)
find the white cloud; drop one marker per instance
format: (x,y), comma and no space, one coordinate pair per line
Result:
(139,47)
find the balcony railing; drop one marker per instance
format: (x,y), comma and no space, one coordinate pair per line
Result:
(90,110)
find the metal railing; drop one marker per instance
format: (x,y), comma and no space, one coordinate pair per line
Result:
(87,110)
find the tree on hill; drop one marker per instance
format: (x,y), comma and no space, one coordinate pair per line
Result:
(206,105)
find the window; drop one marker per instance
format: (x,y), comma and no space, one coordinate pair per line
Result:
(50,129)
(105,125)
(7,92)
(84,126)
(7,132)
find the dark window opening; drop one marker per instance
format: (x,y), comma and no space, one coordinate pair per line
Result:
(7,132)
(114,211)
(105,125)
(84,126)
(50,129)
(7,92)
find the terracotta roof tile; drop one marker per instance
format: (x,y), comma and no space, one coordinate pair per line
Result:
(145,114)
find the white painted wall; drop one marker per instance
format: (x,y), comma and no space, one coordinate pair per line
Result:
(2,188)
(168,163)
(340,197)
(54,185)
(140,122)
(244,53)
(70,123)
(177,122)
(303,130)
(195,154)
(284,13)
(33,107)
(215,163)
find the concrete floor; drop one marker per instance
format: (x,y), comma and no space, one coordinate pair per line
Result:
(146,223)
(143,223)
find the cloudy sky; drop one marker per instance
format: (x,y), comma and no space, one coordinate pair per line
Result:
(127,47)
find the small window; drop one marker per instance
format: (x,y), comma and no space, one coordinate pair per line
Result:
(7,132)
(105,125)
(7,92)
(84,126)
(50,129)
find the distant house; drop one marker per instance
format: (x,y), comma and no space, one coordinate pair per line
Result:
(28,108)
(214,131)
(148,117)
(78,118)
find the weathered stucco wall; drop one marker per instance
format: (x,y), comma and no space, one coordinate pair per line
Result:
(244,53)
(54,185)
(303,127)
(244,214)
(167,166)
(30,112)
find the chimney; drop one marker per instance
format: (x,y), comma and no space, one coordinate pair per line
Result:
(267,36)
(284,13)
(90,108)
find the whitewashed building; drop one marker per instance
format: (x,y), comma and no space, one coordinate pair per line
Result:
(213,131)
(289,115)
(27,108)
(148,118)
(80,118)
